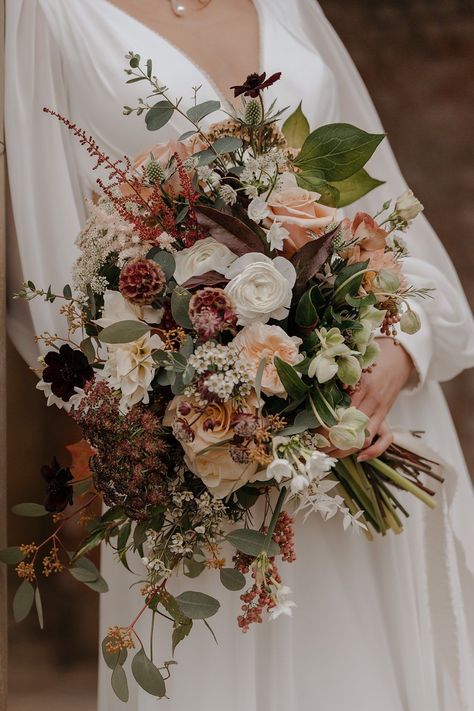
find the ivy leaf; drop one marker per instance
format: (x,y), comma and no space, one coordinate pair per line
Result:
(23,601)
(159,115)
(147,675)
(197,605)
(31,510)
(123,332)
(232,579)
(200,111)
(337,151)
(11,556)
(296,128)
(355,187)
(251,542)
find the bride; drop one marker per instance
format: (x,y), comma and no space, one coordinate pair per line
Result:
(387,625)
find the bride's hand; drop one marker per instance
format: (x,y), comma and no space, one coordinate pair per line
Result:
(377,392)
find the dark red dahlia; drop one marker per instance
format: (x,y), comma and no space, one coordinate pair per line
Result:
(211,311)
(59,492)
(66,369)
(254,84)
(141,281)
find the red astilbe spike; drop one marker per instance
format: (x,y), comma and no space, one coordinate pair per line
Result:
(192,231)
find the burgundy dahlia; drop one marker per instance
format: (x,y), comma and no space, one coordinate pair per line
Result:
(254,84)
(66,369)
(59,492)
(211,311)
(141,281)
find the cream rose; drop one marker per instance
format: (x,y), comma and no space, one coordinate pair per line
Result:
(260,287)
(204,256)
(259,341)
(299,211)
(215,466)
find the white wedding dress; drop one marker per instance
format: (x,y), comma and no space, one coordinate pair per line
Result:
(382,626)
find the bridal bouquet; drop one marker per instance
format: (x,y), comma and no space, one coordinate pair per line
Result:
(220,318)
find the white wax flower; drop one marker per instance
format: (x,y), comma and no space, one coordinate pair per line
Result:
(205,256)
(260,287)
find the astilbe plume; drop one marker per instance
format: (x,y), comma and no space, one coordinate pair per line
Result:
(133,456)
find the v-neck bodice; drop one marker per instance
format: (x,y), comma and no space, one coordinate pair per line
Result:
(94,35)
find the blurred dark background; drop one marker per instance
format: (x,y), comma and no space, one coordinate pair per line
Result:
(416,57)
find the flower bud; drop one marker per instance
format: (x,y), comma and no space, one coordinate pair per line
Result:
(155,172)
(349,370)
(410,322)
(387,281)
(408,206)
(253,112)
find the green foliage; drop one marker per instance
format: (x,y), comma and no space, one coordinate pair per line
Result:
(164,259)
(180,299)
(86,572)
(159,115)
(147,675)
(250,542)
(87,347)
(307,311)
(30,510)
(354,187)
(337,151)
(23,601)
(232,579)
(197,605)
(296,128)
(39,608)
(11,556)
(120,684)
(291,379)
(123,332)
(200,111)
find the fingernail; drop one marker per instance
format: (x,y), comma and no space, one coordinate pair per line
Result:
(361,458)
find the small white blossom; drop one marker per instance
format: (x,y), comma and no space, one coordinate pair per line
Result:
(279,469)
(228,194)
(258,209)
(276,235)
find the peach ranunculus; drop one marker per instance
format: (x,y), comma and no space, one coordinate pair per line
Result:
(299,212)
(219,472)
(259,341)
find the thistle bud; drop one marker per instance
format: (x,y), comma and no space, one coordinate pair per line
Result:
(154,172)
(253,112)
(410,322)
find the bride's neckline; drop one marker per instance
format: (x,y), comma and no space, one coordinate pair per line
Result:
(199,69)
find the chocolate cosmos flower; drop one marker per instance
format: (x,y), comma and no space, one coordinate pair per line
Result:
(66,370)
(254,84)
(58,489)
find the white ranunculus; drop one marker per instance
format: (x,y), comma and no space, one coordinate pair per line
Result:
(116,308)
(130,368)
(258,209)
(408,206)
(205,256)
(260,287)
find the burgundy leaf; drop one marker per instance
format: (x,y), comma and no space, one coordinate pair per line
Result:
(229,230)
(207,279)
(310,258)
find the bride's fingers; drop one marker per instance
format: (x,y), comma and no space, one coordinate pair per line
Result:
(378,447)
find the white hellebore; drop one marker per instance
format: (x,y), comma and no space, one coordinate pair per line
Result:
(129,366)
(334,358)
(205,256)
(349,433)
(260,287)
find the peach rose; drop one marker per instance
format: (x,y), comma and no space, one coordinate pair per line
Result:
(298,211)
(366,234)
(215,467)
(259,341)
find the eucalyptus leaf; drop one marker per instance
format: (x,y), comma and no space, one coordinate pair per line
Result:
(11,556)
(180,299)
(200,111)
(30,510)
(180,631)
(232,579)
(296,128)
(99,586)
(39,608)
(251,542)
(337,151)
(113,658)
(123,332)
(67,292)
(166,262)
(187,134)
(227,144)
(23,601)
(120,684)
(87,347)
(83,575)
(193,568)
(197,605)
(159,115)
(147,675)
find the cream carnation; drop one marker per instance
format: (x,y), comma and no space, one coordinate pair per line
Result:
(259,341)
(219,472)
(204,256)
(260,287)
